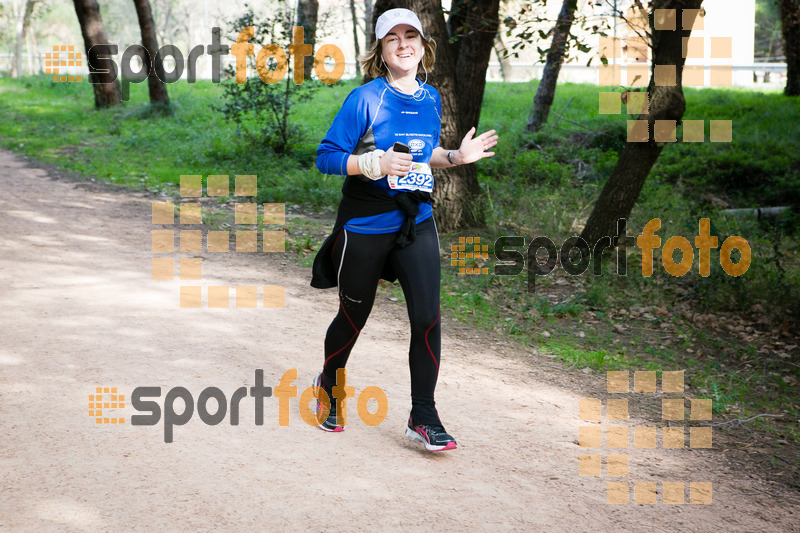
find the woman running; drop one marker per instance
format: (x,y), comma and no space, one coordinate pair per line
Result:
(385,139)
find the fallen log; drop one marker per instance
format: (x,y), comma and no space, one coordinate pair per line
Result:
(758,212)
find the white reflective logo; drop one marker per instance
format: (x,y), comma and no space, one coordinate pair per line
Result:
(416,144)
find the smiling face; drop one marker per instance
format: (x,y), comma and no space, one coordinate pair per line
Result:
(403,50)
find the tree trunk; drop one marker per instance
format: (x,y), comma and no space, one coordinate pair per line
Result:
(555,58)
(30,5)
(168,28)
(307,13)
(155,85)
(105,86)
(16,66)
(459,202)
(501,51)
(376,8)
(457,193)
(23,22)
(355,36)
(33,48)
(459,199)
(637,159)
(369,25)
(790,22)
(480,23)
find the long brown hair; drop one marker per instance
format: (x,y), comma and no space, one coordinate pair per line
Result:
(373,66)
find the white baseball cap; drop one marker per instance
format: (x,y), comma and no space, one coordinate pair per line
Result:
(392,18)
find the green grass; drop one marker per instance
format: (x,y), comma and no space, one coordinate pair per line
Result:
(128,145)
(542,184)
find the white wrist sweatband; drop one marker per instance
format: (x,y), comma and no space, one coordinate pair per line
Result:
(369,164)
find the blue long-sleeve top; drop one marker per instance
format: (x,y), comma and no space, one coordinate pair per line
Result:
(375,116)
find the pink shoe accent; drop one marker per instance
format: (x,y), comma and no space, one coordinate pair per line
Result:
(338,429)
(450,446)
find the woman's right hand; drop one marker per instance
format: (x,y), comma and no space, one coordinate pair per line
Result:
(396,163)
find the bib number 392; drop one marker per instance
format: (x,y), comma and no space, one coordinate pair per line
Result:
(418,178)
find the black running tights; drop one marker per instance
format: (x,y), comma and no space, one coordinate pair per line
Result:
(360,258)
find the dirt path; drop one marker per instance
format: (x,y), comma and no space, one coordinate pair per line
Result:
(79,310)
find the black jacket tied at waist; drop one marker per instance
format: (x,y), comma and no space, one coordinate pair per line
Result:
(360,199)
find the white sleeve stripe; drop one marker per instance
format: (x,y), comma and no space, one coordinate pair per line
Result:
(434,104)
(380,103)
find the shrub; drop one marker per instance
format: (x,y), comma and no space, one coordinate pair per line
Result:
(260,110)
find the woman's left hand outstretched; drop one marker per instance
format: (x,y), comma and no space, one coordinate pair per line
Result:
(475,149)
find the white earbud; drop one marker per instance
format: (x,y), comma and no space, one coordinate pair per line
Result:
(389,72)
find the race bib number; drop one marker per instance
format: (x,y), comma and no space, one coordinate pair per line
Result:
(419,178)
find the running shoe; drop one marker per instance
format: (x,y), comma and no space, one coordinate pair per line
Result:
(434,437)
(328,424)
